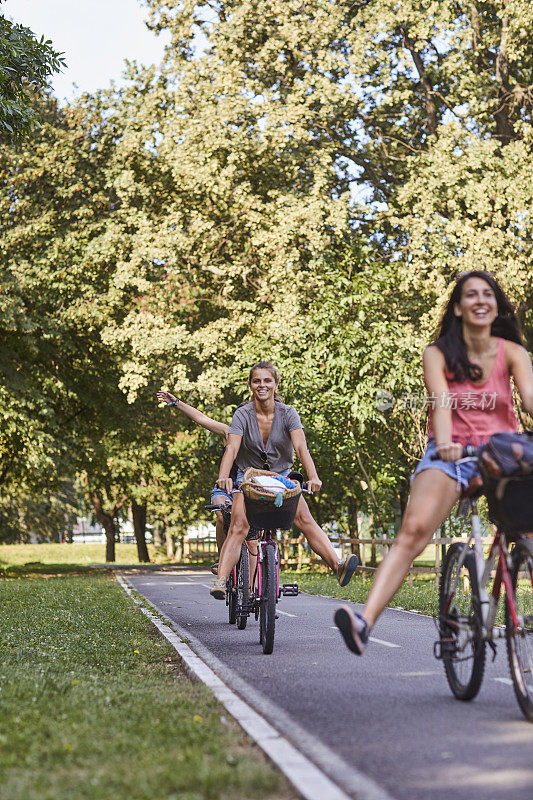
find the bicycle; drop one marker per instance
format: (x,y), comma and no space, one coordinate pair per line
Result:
(262,595)
(238,583)
(467,609)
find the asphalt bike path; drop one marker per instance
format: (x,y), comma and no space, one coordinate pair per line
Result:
(388,715)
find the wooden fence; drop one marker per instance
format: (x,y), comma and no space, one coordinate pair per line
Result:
(297,555)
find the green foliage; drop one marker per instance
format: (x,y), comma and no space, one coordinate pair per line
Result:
(26,64)
(293,182)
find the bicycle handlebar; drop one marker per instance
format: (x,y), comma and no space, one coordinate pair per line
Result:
(226,505)
(469,452)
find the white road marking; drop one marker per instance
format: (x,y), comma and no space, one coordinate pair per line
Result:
(373,639)
(307,778)
(381,641)
(507,681)
(285,613)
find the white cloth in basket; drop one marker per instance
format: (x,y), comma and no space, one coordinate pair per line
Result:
(269,482)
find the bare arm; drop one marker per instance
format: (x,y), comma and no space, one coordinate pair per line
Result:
(197,416)
(519,364)
(437,388)
(300,446)
(230,454)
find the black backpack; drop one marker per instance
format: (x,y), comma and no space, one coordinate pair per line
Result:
(508,455)
(506,464)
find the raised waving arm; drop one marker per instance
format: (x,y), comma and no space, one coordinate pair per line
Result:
(197,416)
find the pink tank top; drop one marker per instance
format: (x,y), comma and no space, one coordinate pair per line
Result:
(481,409)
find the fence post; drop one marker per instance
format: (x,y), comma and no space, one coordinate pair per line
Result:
(437,557)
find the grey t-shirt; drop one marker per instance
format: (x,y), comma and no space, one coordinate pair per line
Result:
(278,449)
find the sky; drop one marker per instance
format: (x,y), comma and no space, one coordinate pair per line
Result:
(95,36)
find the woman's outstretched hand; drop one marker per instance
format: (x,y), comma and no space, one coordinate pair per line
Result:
(166,397)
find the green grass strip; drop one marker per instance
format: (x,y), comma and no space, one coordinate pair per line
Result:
(93,705)
(422,596)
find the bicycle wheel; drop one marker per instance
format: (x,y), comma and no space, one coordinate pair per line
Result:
(267,610)
(520,641)
(231,599)
(243,589)
(461,641)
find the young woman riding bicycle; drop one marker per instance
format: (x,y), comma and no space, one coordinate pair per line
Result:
(264,434)
(467,375)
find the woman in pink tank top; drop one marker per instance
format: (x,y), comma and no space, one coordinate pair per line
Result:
(467,372)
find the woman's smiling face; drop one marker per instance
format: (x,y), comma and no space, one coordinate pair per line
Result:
(478,306)
(263,384)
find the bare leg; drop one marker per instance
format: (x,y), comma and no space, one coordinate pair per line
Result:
(318,540)
(433,495)
(252,560)
(219,525)
(238,530)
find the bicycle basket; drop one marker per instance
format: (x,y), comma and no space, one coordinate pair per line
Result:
(272,505)
(510,502)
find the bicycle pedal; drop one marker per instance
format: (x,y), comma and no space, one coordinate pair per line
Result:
(290,590)
(442,646)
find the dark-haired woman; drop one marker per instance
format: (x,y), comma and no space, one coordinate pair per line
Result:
(264,434)
(467,375)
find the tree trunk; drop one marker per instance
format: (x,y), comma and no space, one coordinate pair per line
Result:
(138,513)
(169,540)
(353,525)
(107,522)
(504,127)
(157,534)
(427,88)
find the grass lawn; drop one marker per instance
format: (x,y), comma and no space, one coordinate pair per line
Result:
(422,596)
(94,705)
(82,554)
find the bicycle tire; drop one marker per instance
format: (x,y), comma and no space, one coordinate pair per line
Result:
(520,644)
(267,611)
(231,596)
(243,589)
(462,644)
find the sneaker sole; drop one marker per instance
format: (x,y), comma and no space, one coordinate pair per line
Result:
(218,594)
(344,624)
(349,569)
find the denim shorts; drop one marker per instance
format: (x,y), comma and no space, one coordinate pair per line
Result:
(462,473)
(217,492)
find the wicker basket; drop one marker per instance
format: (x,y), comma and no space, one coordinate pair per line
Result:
(259,502)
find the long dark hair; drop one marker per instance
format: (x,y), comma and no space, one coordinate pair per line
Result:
(450,339)
(273,371)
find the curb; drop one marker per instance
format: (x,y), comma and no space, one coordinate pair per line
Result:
(305,776)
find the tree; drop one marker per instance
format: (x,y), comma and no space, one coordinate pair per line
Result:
(26,64)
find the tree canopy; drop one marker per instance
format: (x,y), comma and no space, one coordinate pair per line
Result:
(26,65)
(297,182)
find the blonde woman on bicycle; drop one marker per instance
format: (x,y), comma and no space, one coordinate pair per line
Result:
(467,373)
(264,433)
